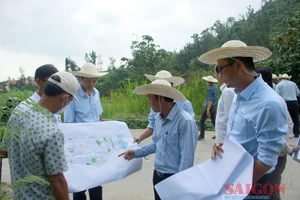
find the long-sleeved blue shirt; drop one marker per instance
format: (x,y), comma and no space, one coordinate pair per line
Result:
(258,121)
(174,142)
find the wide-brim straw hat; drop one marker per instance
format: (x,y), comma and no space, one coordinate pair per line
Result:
(210,79)
(89,70)
(235,48)
(162,88)
(274,76)
(284,76)
(165,75)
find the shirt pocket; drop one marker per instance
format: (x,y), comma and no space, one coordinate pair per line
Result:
(171,142)
(242,126)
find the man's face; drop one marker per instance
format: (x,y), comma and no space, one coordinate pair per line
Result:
(219,78)
(88,83)
(228,73)
(153,102)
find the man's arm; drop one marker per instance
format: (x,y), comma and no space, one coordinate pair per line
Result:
(100,118)
(59,186)
(147,133)
(259,170)
(208,107)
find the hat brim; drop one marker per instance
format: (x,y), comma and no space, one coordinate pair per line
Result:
(210,80)
(256,52)
(161,90)
(96,75)
(175,80)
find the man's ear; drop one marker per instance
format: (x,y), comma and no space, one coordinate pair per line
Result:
(38,81)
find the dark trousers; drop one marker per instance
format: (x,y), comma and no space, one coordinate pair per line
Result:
(272,179)
(204,117)
(158,177)
(95,194)
(293,109)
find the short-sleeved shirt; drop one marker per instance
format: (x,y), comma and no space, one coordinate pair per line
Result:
(212,95)
(88,110)
(38,150)
(36,97)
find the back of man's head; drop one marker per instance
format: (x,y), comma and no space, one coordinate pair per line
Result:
(45,71)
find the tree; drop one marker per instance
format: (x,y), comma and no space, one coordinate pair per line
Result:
(288,45)
(112,66)
(71,65)
(91,57)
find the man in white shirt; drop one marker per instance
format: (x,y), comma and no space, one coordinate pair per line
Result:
(224,106)
(41,76)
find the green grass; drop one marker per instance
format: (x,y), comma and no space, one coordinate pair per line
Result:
(133,109)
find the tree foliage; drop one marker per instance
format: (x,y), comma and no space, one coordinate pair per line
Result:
(288,45)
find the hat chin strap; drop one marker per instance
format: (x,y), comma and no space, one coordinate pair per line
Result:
(249,73)
(159,104)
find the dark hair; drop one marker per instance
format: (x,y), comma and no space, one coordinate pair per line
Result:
(217,69)
(266,75)
(45,71)
(51,89)
(248,61)
(167,99)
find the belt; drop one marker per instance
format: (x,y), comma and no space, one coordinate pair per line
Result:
(163,175)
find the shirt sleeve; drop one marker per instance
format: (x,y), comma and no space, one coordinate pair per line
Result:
(69,113)
(188,108)
(187,144)
(210,95)
(151,119)
(146,149)
(270,138)
(54,156)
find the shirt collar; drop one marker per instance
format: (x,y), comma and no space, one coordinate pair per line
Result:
(248,91)
(82,93)
(222,87)
(172,113)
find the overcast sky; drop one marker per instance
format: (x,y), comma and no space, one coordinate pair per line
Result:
(35,32)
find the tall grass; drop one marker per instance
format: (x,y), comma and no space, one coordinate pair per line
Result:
(124,104)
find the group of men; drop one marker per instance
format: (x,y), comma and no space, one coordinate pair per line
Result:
(171,121)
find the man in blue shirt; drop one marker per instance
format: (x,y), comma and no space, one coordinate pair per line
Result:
(210,105)
(186,105)
(175,133)
(89,110)
(257,119)
(289,91)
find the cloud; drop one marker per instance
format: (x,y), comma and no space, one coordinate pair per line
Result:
(49,31)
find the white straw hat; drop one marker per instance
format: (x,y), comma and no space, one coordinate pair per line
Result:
(210,79)
(162,88)
(284,76)
(235,48)
(274,76)
(89,70)
(165,75)
(68,83)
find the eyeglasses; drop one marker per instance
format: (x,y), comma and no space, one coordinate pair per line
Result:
(221,68)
